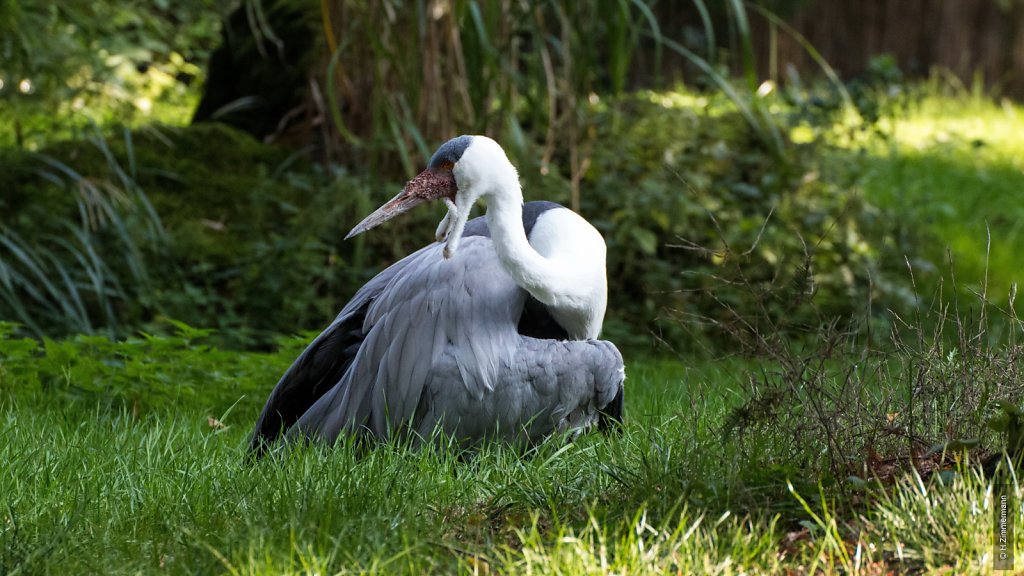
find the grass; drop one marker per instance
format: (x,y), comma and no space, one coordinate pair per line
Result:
(955,168)
(103,480)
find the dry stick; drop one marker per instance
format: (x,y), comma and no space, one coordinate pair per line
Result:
(549,79)
(575,163)
(1013,314)
(325,17)
(914,382)
(760,233)
(984,284)
(461,87)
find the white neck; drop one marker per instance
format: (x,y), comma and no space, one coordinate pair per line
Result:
(529,269)
(577,308)
(485,172)
(568,275)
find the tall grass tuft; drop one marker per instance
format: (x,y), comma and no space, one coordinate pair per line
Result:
(76,277)
(400,78)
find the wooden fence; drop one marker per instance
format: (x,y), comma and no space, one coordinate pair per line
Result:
(981,39)
(972,39)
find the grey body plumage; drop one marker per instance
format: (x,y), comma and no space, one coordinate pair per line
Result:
(453,344)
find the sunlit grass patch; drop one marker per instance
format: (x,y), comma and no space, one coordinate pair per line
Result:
(994,124)
(686,543)
(941,525)
(955,170)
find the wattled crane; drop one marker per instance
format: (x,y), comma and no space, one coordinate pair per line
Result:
(488,333)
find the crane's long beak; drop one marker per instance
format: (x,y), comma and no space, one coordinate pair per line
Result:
(429,185)
(405,200)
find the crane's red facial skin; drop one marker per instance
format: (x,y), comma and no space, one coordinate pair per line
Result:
(433,184)
(429,185)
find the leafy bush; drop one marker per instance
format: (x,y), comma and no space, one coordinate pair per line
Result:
(201,224)
(65,63)
(709,228)
(695,193)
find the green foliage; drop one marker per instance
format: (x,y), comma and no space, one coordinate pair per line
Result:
(723,210)
(201,224)
(859,113)
(708,228)
(204,225)
(61,63)
(207,226)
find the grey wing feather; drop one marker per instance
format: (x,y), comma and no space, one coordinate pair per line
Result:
(321,365)
(438,346)
(547,386)
(422,314)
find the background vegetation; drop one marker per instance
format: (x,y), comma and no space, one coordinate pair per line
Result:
(812,271)
(123,225)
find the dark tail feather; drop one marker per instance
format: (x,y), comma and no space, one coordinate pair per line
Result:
(610,418)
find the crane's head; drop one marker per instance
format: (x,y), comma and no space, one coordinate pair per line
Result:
(462,170)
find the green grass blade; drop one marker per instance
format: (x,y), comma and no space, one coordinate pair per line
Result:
(755,123)
(74,309)
(655,32)
(709,29)
(335,100)
(739,13)
(830,73)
